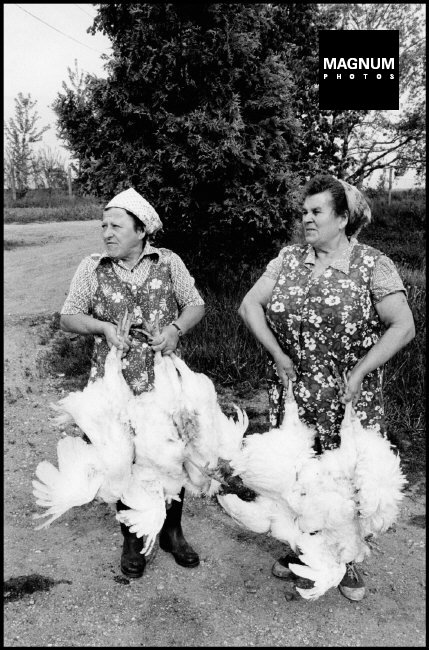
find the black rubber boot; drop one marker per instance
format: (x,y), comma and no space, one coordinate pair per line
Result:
(171,537)
(132,561)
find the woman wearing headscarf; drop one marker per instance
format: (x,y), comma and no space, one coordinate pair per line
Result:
(327,309)
(148,282)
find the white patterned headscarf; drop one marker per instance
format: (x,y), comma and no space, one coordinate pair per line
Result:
(133,202)
(359,209)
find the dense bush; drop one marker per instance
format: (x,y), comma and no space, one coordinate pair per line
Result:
(398,229)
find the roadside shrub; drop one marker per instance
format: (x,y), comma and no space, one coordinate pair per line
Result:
(398,229)
(43,198)
(67,356)
(11,244)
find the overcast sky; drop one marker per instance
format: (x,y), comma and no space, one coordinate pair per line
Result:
(39,48)
(36,56)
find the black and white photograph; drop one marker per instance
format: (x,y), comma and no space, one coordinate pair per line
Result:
(214,324)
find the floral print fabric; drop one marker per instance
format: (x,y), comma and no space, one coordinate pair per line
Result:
(325,324)
(112,297)
(84,282)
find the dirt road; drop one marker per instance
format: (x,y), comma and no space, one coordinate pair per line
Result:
(231,599)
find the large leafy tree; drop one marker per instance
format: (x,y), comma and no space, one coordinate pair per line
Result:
(208,110)
(295,32)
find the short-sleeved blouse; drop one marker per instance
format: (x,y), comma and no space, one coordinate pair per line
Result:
(158,286)
(85,282)
(385,278)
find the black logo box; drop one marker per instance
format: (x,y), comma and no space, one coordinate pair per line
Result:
(346,56)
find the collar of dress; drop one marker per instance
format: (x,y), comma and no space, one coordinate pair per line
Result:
(147,250)
(342,263)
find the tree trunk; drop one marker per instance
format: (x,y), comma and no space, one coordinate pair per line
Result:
(12,182)
(69,181)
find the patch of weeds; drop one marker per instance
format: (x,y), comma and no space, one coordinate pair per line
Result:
(48,327)
(65,356)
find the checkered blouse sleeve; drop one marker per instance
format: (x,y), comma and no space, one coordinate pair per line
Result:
(183,284)
(82,288)
(274,267)
(385,279)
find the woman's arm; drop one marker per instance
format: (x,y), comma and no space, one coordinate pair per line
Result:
(396,315)
(85,324)
(252,311)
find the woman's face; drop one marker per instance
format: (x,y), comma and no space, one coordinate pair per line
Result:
(321,223)
(120,237)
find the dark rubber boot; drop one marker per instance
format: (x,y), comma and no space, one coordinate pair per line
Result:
(171,537)
(132,561)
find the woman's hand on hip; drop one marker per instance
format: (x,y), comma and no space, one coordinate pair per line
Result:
(166,342)
(285,368)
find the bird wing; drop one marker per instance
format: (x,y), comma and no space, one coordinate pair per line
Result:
(322,567)
(146,513)
(75,483)
(378,479)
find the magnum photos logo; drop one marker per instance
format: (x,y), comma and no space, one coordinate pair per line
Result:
(359,70)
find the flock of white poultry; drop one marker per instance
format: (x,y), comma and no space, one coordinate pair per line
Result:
(145,448)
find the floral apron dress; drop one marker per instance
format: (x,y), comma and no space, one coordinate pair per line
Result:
(111,299)
(325,324)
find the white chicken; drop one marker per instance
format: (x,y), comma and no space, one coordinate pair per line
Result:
(209,434)
(77,480)
(100,411)
(378,479)
(144,448)
(178,429)
(158,445)
(323,507)
(282,451)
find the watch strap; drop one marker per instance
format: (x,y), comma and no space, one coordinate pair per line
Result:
(179,331)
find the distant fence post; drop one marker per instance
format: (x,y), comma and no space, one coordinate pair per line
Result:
(12,182)
(69,181)
(389,199)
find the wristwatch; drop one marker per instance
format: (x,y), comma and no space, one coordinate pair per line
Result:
(179,331)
